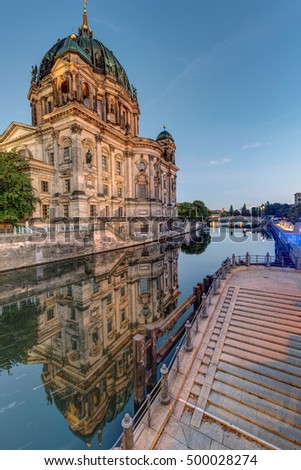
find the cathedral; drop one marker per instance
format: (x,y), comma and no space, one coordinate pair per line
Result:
(86,157)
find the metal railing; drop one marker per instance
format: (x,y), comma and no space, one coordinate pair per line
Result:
(192,327)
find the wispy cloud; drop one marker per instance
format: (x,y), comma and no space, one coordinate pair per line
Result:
(256,145)
(107,24)
(279,118)
(247,35)
(223,161)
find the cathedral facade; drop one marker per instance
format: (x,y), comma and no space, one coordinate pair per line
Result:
(85,153)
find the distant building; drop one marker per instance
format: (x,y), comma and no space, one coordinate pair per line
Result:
(297,199)
(83,146)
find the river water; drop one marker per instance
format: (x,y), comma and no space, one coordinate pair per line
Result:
(66,338)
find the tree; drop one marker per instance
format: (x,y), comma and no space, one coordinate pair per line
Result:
(245,212)
(236,212)
(197,247)
(231,210)
(19,334)
(193,210)
(17,199)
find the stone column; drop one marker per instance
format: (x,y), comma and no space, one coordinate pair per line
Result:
(165,397)
(152,334)
(98,140)
(188,345)
(139,368)
(128,433)
(77,164)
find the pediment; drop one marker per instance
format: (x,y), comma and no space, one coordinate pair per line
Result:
(61,66)
(16,131)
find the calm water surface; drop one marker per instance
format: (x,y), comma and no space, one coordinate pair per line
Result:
(66,355)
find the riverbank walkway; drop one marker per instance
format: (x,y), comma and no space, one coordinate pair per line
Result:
(240,386)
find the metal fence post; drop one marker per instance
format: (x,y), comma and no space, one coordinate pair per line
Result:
(165,398)
(148,410)
(128,433)
(178,358)
(204,306)
(188,345)
(196,323)
(268,260)
(228,265)
(233,261)
(223,271)
(214,284)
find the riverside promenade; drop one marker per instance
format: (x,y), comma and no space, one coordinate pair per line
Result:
(239,387)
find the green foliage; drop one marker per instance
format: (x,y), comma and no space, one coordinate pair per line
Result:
(198,247)
(245,212)
(193,210)
(18,334)
(236,213)
(17,199)
(231,211)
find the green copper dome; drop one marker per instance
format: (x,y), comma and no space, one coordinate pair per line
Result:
(164,135)
(91,50)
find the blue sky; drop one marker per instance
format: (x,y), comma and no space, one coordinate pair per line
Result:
(223,75)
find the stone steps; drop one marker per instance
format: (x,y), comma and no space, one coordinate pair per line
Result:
(269,294)
(261,316)
(268,345)
(263,405)
(293,303)
(279,375)
(241,373)
(245,322)
(263,352)
(249,426)
(259,359)
(276,339)
(261,389)
(270,310)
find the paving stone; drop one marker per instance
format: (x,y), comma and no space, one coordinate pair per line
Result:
(195,439)
(175,428)
(234,441)
(212,429)
(167,442)
(215,445)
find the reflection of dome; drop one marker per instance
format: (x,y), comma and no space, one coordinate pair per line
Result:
(165,135)
(91,50)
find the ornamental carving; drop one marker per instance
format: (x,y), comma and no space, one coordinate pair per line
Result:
(55,134)
(98,138)
(76,129)
(90,183)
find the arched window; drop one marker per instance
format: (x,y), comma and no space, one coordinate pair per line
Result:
(86,95)
(64,91)
(141,187)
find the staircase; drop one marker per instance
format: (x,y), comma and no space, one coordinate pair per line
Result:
(250,373)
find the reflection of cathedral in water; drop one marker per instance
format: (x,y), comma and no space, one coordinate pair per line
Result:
(86,328)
